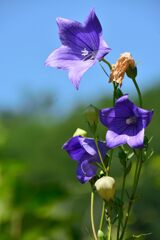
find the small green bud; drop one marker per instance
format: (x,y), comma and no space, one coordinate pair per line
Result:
(80,132)
(100,235)
(131,72)
(105,186)
(91,114)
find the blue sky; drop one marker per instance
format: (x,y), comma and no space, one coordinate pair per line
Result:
(29,34)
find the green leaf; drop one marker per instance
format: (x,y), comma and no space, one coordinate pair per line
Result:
(130,155)
(138,236)
(151,154)
(146,141)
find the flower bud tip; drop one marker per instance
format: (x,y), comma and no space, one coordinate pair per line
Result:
(80,132)
(91,114)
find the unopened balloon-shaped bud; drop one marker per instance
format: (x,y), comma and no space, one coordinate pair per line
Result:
(100,235)
(105,187)
(91,114)
(80,132)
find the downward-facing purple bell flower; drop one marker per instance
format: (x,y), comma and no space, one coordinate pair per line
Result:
(126,123)
(84,151)
(82,46)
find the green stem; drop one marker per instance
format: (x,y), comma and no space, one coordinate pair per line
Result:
(136,172)
(102,216)
(122,197)
(104,70)
(108,63)
(109,230)
(135,184)
(114,84)
(99,154)
(138,91)
(109,221)
(114,92)
(110,160)
(92,216)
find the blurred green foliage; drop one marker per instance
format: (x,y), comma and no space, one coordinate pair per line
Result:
(40,198)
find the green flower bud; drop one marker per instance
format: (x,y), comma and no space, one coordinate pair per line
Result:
(105,187)
(91,114)
(100,235)
(131,72)
(80,132)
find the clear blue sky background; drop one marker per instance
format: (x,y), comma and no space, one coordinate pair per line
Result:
(29,33)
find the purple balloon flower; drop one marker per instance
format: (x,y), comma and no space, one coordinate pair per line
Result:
(84,151)
(126,123)
(82,46)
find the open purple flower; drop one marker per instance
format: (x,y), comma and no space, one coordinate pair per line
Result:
(84,151)
(82,46)
(126,123)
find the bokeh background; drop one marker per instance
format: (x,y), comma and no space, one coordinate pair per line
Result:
(40,198)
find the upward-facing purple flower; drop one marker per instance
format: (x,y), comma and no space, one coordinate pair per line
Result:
(82,46)
(126,123)
(84,151)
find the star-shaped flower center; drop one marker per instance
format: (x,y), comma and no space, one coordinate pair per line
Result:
(88,55)
(131,120)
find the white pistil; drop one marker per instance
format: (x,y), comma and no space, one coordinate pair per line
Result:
(131,120)
(88,55)
(84,52)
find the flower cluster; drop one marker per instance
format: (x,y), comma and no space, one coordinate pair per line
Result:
(126,124)
(82,46)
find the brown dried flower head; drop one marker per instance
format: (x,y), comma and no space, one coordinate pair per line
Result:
(122,65)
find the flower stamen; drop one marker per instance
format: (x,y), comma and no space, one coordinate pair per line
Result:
(131,120)
(84,52)
(88,55)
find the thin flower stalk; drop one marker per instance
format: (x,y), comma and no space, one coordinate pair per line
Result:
(131,200)
(102,215)
(138,91)
(92,216)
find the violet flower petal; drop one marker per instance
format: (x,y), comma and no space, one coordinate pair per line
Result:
(103,49)
(82,46)
(126,123)
(90,146)
(137,140)
(85,171)
(114,140)
(78,36)
(77,70)
(62,58)
(65,58)
(74,148)
(84,151)
(145,115)
(107,115)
